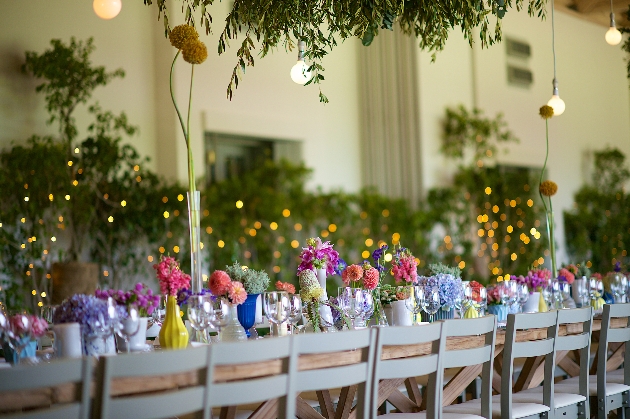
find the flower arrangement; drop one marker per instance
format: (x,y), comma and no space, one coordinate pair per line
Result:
(184,294)
(285,286)
(476,291)
(404,266)
(448,286)
(170,276)
(141,296)
(85,310)
(547,189)
(311,293)
(535,279)
(221,285)
(391,293)
(364,276)
(24,325)
(565,275)
(255,282)
(318,255)
(493,296)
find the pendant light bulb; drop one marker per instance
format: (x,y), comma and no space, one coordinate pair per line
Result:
(299,72)
(107,9)
(613,36)
(556,102)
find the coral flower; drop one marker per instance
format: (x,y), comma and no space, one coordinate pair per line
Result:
(285,286)
(354,273)
(566,275)
(219,282)
(237,293)
(370,278)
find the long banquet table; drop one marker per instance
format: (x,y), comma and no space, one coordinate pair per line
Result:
(531,376)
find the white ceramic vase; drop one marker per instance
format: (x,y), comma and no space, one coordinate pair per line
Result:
(68,340)
(531,306)
(324,311)
(400,315)
(137,342)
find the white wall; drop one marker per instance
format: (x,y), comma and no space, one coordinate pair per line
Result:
(122,42)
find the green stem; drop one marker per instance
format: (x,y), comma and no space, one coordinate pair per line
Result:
(191,168)
(549,211)
(179,115)
(542,172)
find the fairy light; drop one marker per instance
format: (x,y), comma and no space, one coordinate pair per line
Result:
(150,258)
(70,163)
(176,249)
(332,228)
(286,213)
(385,213)
(43,294)
(488,190)
(123,203)
(209,230)
(324,233)
(369,242)
(365,254)
(273,226)
(388,257)
(161,249)
(276,269)
(221,244)
(257,225)
(295,244)
(67,197)
(53,239)
(239,204)
(180,197)
(298,227)
(110,219)
(166,214)
(277,254)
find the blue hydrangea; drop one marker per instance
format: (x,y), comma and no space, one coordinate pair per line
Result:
(448,286)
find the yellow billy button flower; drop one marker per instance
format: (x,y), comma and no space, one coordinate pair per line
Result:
(194,52)
(181,34)
(546,112)
(548,188)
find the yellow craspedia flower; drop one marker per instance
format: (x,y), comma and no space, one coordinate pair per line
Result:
(195,52)
(546,112)
(548,188)
(181,34)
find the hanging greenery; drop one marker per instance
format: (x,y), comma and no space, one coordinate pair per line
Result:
(322,24)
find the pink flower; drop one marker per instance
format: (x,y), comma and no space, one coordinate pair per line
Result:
(370,278)
(566,276)
(171,278)
(20,324)
(237,293)
(38,326)
(406,270)
(219,282)
(353,273)
(285,286)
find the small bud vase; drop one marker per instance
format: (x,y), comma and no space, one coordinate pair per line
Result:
(173,334)
(324,310)
(234,331)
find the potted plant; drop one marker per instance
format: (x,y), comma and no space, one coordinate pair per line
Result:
(255,283)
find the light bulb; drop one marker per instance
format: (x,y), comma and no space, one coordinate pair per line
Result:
(557,104)
(613,36)
(300,73)
(107,9)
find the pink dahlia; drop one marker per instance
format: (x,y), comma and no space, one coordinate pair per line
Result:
(38,326)
(237,293)
(370,278)
(219,282)
(285,286)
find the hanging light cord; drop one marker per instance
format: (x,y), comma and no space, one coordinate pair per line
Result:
(612,14)
(553,41)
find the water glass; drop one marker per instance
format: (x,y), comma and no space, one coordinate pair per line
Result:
(18,334)
(295,311)
(200,312)
(159,313)
(351,301)
(128,327)
(415,301)
(277,307)
(523,295)
(483,301)
(431,303)
(220,315)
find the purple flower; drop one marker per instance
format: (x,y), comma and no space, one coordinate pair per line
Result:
(319,255)
(378,253)
(341,266)
(618,266)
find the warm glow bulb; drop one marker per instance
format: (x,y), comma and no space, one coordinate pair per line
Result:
(107,9)
(613,36)
(300,73)
(557,104)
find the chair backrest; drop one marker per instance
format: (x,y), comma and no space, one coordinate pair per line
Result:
(543,347)
(269,357)
(76,371)
(612,335)
(357,346)
(485,327)
(580,341)
(173,401)
(427,364)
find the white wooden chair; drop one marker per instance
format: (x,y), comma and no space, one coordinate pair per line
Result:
(504,406)
(68,371)
(355,376)
(430,364)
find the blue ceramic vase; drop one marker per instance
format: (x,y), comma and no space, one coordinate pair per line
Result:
(500,311)
(247,312)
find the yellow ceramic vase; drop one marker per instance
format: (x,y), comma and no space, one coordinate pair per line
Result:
(542,304)
(173,334)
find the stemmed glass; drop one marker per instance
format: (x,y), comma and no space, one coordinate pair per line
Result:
(415,301)
(159,314)
(295,311)
(277,307)
(220,315)
(595,288)
(483,300)
(18,334)
(431,303)
(564,292)
(523,295)
(128,327)
(351,302)
(368,308)
(200,312)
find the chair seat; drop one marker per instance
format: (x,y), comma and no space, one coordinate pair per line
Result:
(572,385)
(559,399)
(423,415)
(519,410)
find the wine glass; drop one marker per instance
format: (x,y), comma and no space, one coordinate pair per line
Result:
(101,328)
(220,315)
(483,301)
(295,311)
(128,327)
(523,295)
(415,301)
(368,308)
(159,313)
(459,298)
(431,302)
(277,307)
(564,291)
(18,334)
(351,302)
(200,312)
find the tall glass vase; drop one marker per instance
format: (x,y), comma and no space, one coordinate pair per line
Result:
(194,222)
